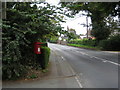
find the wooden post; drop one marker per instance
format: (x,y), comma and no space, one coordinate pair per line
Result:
(87,25)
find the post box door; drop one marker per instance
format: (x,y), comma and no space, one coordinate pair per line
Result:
(37,49)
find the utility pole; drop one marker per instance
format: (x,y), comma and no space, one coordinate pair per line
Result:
(87,25)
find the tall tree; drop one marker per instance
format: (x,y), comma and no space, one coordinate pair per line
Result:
(98,11)
(25,24)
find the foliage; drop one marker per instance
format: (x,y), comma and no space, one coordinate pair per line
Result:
(71,36)
(13,71)
(44,57)
(98,12)
(45,70)
(100,32)
(83,46)
(113,25)
(113,43)
(24,25)
(53,39)
(84,42)
(12,40)
(32,76)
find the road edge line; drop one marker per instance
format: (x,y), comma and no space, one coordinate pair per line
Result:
(73,72)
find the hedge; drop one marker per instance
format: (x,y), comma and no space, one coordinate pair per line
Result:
(14,67)
(84,42)
(112,43)
(43,58)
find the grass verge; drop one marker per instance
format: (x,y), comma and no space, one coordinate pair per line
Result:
(84,46)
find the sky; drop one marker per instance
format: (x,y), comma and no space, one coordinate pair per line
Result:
(75,22)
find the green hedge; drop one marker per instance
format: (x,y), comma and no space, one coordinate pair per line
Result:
(83,46)
(113,43)
(43,58)
(84,42)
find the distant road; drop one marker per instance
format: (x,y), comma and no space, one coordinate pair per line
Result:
(96,69)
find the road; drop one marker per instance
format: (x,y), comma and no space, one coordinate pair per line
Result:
(96,69)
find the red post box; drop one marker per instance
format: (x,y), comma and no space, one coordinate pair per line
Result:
(37,49)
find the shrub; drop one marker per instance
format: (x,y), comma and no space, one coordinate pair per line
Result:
(44,44)
(53,41)
(113,43)
(44,57)
(12,66)
(13,71)
(89,42)
(33,76)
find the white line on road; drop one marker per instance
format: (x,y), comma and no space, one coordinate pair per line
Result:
(113,63)
(80,85)
(115,52)
(73,72)
(103,60)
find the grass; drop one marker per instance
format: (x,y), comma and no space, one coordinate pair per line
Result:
(83,46)
(33,76)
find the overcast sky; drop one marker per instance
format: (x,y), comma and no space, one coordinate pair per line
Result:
(75,22)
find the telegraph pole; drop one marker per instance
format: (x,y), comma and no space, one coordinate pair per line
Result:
(87,25)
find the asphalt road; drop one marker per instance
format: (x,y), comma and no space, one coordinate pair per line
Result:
(96,69)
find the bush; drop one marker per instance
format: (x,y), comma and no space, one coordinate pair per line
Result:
(45,44)
(12,67)
(89,42)
(53,41)
(113,43)
(12,72)
(43,58)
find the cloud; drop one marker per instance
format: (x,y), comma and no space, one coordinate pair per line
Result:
(53,2)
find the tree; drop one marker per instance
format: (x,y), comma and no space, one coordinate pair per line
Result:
(24,25)
(71,36)
(98,12)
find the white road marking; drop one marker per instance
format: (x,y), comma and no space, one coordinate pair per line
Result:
(113,63)
(111,52)
(63,58)
(103,60)
(78,81)
(80,85)
(76,78)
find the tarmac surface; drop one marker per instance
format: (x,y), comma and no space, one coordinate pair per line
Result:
(73,67)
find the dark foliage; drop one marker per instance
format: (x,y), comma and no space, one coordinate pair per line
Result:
(113,43)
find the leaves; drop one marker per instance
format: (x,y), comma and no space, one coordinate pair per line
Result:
(98,12)
(24,25)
